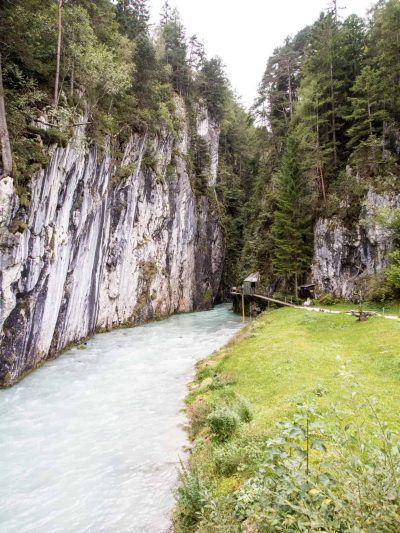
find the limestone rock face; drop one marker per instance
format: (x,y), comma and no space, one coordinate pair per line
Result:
(96,251)
(342,254)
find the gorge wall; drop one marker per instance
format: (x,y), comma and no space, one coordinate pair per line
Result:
(345,254)
(94,252)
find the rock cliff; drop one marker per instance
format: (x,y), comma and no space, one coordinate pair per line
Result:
(343,254)
(102,246)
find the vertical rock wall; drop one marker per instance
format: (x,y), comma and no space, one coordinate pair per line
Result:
(97,251)
(343,254)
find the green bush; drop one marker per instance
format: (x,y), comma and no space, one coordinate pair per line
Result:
(228,458)
(29,157)
(244,409)
(197,413)
(124,172)
(223,422)
(326,299)
(309,477)
(393,270)
(375,287)
(223,379)
(149,160)
(340,480)
(192,495)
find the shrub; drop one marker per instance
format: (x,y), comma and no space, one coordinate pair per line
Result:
(29,157)
(375,287)
(150,160)
(309,477)
(354,487)
(228,458)
(244,410)
(223,423)
(192,495)
(326,299)
(393,271)
(197,413)
(239,455)
(124,171)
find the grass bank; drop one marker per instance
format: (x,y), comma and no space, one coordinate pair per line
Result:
(290,428)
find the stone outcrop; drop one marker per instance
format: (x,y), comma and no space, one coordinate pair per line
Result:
(103,245)
(343,254)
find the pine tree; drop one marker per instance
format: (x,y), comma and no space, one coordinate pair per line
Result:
(133,17)
(279,86)
(313,125)
(213,86)
(332,64)
(383,51)
(368,106)
(196,53)
(320,72)
(174,50)
(166,14)
(291,230)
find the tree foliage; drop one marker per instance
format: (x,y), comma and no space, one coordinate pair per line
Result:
(291,230)
(100,58)
(333,87)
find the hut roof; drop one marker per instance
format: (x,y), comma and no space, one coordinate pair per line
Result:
(253,278)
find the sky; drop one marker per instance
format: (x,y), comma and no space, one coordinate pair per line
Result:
(245,33)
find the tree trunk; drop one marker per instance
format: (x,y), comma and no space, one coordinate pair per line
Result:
(296,285)
(335,10)
(383,138)
(72,78)
(6,154)
(58,53)
(290,91)
(319,162)
(369,117)
(333,117)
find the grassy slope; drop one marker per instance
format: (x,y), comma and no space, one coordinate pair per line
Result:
(290,355)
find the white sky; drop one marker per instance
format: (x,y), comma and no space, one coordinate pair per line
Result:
(245,33)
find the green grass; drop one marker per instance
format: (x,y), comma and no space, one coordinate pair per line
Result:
(288,356)
(284,358)
(291,355)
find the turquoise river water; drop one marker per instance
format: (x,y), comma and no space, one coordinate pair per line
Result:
(91,441)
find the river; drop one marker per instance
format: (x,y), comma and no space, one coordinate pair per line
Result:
(90,442)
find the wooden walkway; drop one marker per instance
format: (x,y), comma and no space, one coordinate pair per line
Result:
(309,308)
(268,299)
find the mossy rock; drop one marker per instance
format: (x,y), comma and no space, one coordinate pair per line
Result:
(18,226)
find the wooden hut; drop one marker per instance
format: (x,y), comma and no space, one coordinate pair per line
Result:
(250,283)
(307,291)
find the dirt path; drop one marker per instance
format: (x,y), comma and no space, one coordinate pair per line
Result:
(337,312)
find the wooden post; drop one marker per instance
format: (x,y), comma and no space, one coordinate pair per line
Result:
(242,306)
